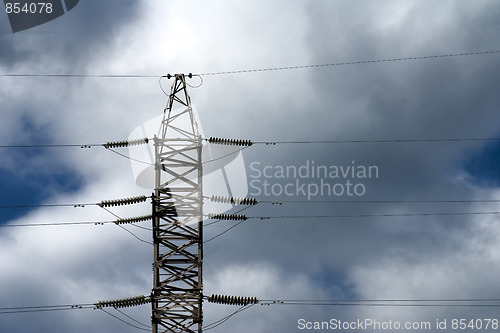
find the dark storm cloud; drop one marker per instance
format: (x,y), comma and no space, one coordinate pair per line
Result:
(70,41)
(67,44)
(449,98)
(306,258)
(427,99)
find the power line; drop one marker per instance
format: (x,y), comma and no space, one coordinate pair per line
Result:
(265,218)
(341,216)
(376,141)
(369,215)
(130,158)
(478,302)
(126,322)
(279,202)
(107,145)
(52,224)
(473,302)
(417,300)
(226,318)
(370,302)
(222,233)
(373,215)
(353,63)
(99,76)
(49,205)
(129,317)
(269,143)
(45,308)
(130,232)
(102,204)
(269,69)
(54,146)
(51,308)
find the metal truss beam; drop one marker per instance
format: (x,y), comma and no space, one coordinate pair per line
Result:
(177,294)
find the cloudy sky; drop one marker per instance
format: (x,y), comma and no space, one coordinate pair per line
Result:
(404,247)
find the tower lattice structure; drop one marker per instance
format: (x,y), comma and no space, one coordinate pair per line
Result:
(177,293)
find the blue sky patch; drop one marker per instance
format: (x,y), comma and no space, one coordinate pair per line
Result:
(484,167)
(33,188)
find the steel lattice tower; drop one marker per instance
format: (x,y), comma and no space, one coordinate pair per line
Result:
(177,293)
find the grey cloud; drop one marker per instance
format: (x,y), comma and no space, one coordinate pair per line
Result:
(70,41)
(331,258)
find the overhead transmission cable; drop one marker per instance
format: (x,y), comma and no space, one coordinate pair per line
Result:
(140,300)
(243,218)
(376,141)
(134,320)
(280,202)
(123,303)
(226,318)
(116,304)
(247,302)
(346,63)
(265,69)
(228,229)
(120,202)
(107,145)
(373,215)
(486,302)
(126,322)
(249,143)
(440,201)
(45,308)
(103,204)
(121,220)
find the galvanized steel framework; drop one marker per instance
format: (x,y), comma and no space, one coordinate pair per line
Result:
(177,293)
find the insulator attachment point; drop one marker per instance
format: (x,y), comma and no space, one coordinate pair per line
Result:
(118,144)
(134,219)
(122,202)
(229,217)
(232,300)
(124,302)
(230,142)
(234,200)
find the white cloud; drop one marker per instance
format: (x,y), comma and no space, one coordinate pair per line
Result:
(283,259)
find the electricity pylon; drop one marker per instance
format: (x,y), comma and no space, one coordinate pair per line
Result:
(177,293)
